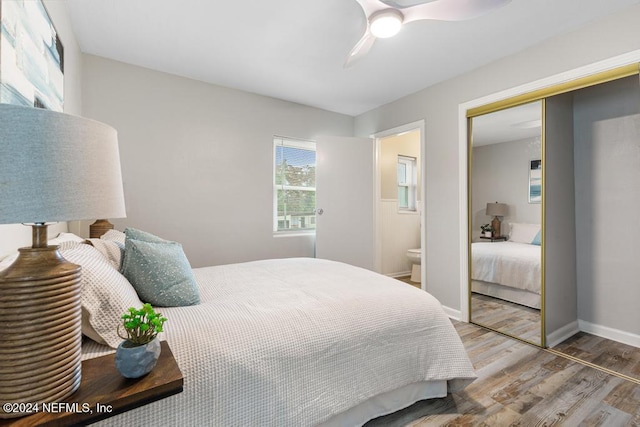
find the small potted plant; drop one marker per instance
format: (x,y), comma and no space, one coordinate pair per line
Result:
(138,353)
(487,230)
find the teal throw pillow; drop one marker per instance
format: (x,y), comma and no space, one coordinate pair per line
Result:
(538,239)
(133,233)
(160,273)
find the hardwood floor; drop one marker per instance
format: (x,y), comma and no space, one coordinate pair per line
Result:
(524,322)
(507,317)
(522,385)
(618,357)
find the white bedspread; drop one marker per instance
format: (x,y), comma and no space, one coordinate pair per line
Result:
(291,342)
(516,265)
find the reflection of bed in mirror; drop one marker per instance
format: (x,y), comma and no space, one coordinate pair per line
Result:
(507,270)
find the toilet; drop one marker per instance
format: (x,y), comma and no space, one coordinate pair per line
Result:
(413,255)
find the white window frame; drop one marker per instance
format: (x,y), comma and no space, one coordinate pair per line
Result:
(411,166)
(279,141)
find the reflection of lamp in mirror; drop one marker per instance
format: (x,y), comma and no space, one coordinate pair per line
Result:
(496,210)
(99,227)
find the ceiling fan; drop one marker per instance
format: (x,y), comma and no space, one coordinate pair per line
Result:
(386,17)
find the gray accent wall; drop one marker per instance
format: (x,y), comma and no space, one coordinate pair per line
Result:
(607,174)
(197,159)
(559,239)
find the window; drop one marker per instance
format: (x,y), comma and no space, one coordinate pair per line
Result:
(407,188)
(294,182)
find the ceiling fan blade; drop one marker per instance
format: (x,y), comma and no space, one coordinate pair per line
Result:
(451,10)
(361,48)
(371,6)
(399,4)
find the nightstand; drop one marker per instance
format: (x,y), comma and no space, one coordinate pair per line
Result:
(495,239)
(103,392)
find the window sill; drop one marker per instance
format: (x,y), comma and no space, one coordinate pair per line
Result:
(408,212)
(278,234)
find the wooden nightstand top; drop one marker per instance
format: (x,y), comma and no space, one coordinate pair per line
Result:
(102,384)
(495,239)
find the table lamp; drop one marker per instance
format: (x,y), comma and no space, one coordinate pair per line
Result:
(496,210)
(53,167)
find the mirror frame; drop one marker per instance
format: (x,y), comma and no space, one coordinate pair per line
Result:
(508,103)
(542,93)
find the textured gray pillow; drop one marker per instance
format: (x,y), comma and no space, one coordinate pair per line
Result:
(159,271)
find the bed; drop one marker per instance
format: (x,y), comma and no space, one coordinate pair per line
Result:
(509,270)
(283,342)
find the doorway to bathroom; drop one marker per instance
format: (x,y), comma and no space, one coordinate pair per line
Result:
(399,198)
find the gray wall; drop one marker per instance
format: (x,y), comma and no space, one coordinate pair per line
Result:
(607,172)
(500,173)
(559,240)
(438,106)
(197,158)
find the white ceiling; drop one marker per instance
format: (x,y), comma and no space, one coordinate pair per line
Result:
(295,49)
(512,124)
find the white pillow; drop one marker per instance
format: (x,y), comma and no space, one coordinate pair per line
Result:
(106,294)
(111,249)
(115,236)
(65,237)
(523,233)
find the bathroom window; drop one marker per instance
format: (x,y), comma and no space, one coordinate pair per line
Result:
(294,185)
(407,188)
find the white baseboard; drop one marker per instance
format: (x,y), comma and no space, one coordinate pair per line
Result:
(610,333)
(565,332)
(573,328)
(452,313)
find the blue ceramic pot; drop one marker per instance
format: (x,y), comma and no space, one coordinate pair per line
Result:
(136,361)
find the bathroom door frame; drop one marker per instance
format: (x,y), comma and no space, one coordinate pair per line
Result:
(409,127)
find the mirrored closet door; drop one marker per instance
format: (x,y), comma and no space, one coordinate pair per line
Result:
(505,217)
(557,170)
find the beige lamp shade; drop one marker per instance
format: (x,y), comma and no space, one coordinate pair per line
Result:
(57,167)
(497,209)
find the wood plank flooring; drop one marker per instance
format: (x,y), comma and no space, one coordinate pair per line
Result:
(609,354)
(522,385)
(523,321)
(507,317)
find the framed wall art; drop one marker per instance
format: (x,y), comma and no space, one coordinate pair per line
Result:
(31,56)
(535,181)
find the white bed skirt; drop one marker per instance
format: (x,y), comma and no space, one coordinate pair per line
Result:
(388,403)
(377,406)
(519,296)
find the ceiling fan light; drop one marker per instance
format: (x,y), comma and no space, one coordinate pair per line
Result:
(386,23)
